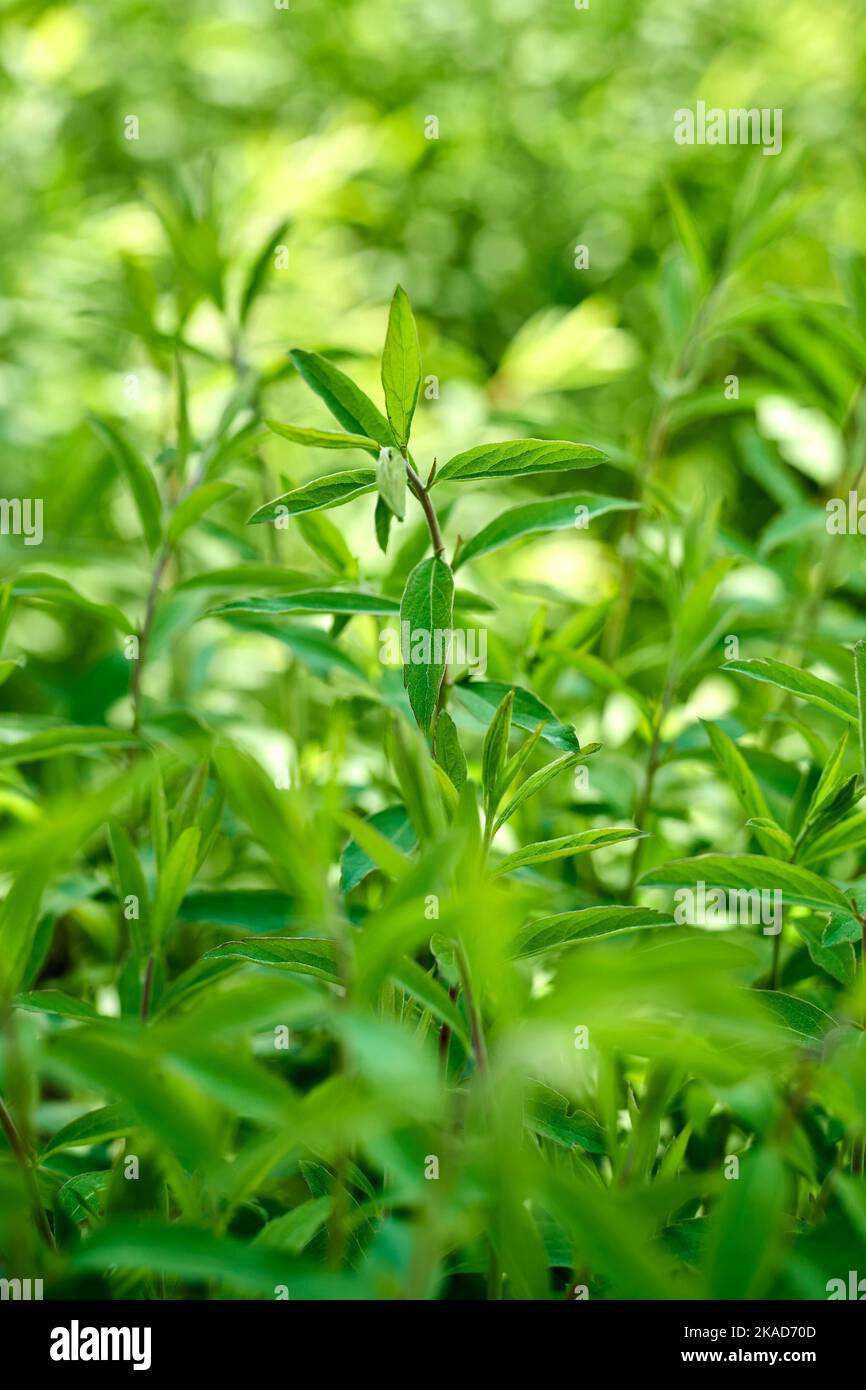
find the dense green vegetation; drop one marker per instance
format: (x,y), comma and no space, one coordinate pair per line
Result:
(331,968)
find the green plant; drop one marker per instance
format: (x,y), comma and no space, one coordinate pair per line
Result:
(453,884)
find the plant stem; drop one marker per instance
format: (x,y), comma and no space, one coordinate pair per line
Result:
(25,1163)
(645,799)
(147,987)
(144,638)
(479,1046)
(423,496)
(777,952)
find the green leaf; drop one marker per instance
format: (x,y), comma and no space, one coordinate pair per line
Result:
(839,960)
(346,401)
(550,1115)
(694,616)
(249,577)
(449,750)
(340,601)
(742,781)
(494,751)
(293,1231)
(797,1015)
(320,495)
(322,439)
(194,506)
(746,1234)
(47,588)
(553,514)
(257,909)
(139,477)
(772,837)
(392,482)
(517,762)
(518,458)
(82,1198)
(381,850)
(301,955)
(750,872)
(428,991)
(567,928)
(482,697)
(427,608)
(54,1001)
(74,738)
(541,778)
(583,842)
(106,1060)
(847,834)
(96,1127)
(816,691)
(382,522)
(7,668)
(174,879)
(392,824)
(316,650)
(401,368)
(132,883)
(860,687)
(187,1252)
(417,780)
(259,269)
(326,540)
(830,783)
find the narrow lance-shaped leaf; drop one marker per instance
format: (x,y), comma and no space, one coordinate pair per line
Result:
(541,778)
(322,439)
(339,601)
(52,743)
(346,401)
(139,477)
(860,686)
(259,269)
(377,847)
(47,588)
(382,523)
(573,512)
(174,879)
(19,915)
(194,506)
(494,751)
(132,884)
(449,751)
(583,842)
(299,955)
(518,458)
(743,783)
(425,619)
(482,697)
(334,490)
(568,928)
(750,872)
(832,698)
(401,367)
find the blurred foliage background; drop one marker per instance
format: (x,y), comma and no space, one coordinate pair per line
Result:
(142,282)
